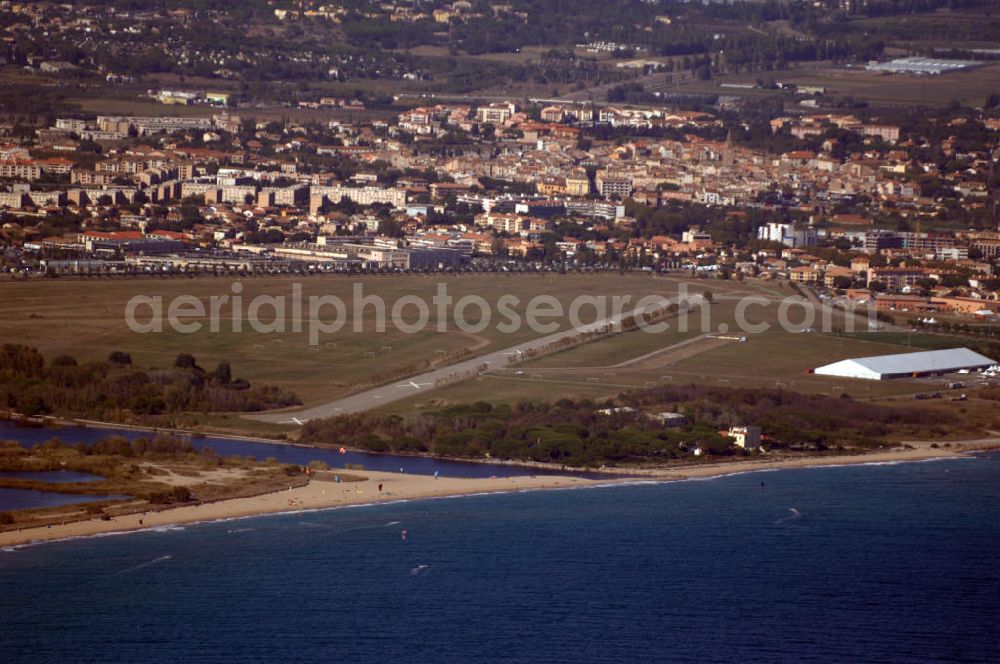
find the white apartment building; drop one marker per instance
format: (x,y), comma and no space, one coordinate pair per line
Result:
(789,235)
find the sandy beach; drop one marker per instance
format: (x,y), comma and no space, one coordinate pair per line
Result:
(318,494)
(321,494)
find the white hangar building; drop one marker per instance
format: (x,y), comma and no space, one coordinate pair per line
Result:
(907,365)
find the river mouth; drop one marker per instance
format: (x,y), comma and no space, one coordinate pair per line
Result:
(297,454)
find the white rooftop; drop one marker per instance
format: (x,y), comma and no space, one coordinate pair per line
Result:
(921,65)
(930,361)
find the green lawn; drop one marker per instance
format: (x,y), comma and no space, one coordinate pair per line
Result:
(768,360)
(969,87)
(86,318)
(911,341)
(502,389)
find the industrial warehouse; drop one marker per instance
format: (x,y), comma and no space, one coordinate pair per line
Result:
(907,365)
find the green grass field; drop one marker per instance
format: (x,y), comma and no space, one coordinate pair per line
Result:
(769,360)
(914,341)
(772,359)
(969,87)
(781,359)
(86,319)
(501,389)
(113,106)
(766,361)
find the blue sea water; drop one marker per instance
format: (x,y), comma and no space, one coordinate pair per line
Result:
(888,563)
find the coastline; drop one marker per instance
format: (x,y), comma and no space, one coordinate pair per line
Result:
(321,494)
(50,421)
(54,421)
(693,470)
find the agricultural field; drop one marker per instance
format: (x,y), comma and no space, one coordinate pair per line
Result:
(973,27)
(523,56)
(968,87)
(142,107)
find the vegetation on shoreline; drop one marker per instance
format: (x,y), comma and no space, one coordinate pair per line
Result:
(627,431)
(153,472)
(116,390)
